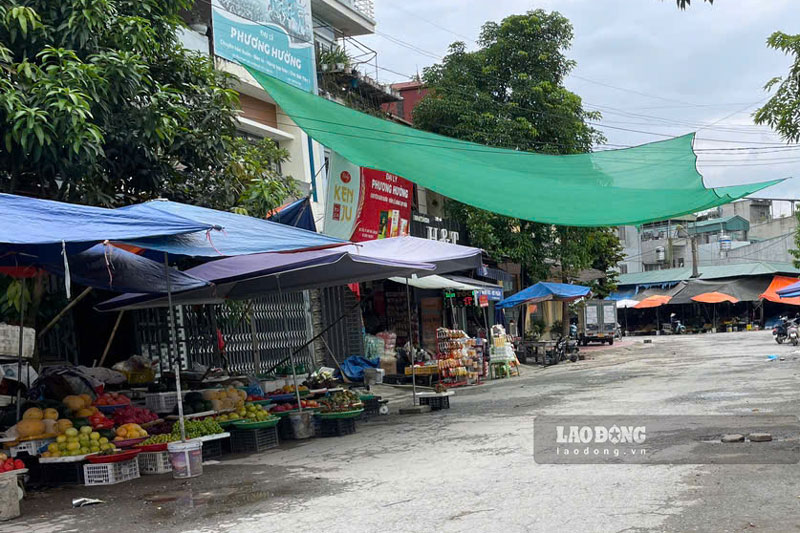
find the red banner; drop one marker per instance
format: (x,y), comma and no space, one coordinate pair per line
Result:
(366,204)
(386,206)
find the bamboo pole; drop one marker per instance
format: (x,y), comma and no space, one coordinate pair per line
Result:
(111,338)
(63,312)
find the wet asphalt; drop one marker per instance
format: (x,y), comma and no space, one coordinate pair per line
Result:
(471,468)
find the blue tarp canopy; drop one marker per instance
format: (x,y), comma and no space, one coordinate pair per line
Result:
(544,291)
(622,295)
(241,234)
(40,228)
(297,214)
(109,268)
(790,291)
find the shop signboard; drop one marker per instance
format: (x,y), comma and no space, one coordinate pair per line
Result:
(483,300)
(275,37)
(437,229)
(494,295)
(364,204)
(461,298)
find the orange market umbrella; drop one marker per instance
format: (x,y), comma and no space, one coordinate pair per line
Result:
(656,300)
(715,298)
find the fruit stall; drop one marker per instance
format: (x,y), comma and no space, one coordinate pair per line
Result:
(105,437)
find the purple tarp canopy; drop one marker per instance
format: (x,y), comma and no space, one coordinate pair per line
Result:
(252,276)
(447,257)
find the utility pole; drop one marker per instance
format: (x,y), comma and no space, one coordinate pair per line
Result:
(684,234)
(695,260)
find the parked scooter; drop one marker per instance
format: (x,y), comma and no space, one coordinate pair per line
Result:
(791,332)
(676,326)
(780,331)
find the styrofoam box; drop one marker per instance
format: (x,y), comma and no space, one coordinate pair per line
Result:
(9,340)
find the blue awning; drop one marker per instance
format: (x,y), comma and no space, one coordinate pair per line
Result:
(297,214)
(622,295)
(41,229)
(790,291)
(241,235)
(544,291)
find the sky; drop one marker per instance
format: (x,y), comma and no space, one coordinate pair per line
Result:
(645,64)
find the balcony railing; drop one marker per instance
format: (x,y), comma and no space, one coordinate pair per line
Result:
(363,7)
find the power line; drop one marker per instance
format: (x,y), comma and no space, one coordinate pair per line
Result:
(434,24)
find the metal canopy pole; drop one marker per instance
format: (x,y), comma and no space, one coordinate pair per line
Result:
(176,361)
(19,353)
(291,354)
(411,348)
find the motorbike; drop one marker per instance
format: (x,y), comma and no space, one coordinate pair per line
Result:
(791,332)
(676,326)
(780,331)
(566,348)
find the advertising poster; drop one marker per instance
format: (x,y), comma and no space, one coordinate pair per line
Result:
(365,204)
(273,36)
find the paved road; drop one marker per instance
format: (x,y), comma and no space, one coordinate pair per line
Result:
(471,468)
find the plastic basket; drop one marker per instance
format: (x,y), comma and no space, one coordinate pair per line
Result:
(436,402)
(341,414)
(212,449)
(55,474)
(334,427)
(254,440)
(161,402)
(110,473)
(245,424)
(154,463)
(31,447)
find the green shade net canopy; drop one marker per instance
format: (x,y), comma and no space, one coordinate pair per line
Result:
(615,187)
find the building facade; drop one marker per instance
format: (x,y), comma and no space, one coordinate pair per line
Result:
(316,24)
(740,232)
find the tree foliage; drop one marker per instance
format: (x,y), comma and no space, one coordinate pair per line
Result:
(100,104)
(782,111)
(510,93)
(683,4)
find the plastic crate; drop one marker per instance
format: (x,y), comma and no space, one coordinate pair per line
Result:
(336,427)
(31,447)
(436,402)
(161,402)
(154,462)
(110,473)
(55,474)
(212,449)
(285,431)
(372,407)
(254,440)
